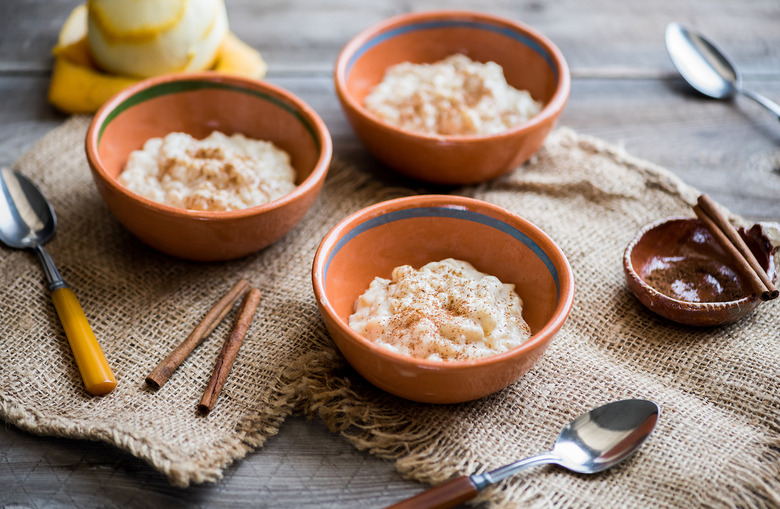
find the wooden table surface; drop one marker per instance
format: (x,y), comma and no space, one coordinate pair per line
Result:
(625,90)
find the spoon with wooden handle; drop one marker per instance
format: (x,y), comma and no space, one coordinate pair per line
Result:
(593,442)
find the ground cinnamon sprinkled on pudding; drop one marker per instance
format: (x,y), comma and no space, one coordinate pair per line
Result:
(444,311)
(455,96)
(219,172)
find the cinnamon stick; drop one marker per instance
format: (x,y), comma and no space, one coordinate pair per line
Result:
(229,351)
(728,237)
(163,371)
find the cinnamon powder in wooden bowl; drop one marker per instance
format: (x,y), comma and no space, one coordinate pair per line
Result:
(678,270)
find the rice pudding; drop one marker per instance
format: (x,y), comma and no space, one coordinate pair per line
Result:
(219,172)
(455,96)
(445,311)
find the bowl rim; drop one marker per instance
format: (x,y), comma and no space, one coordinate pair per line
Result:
(687,305)
(319,131)
(549,110)
(541,238)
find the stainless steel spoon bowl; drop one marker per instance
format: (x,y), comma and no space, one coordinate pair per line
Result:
(593,442)
(27,221)
(706,68)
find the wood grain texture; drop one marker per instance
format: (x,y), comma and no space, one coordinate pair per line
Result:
(304,466)
(624,90)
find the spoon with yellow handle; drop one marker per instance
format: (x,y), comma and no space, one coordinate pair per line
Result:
(27,221)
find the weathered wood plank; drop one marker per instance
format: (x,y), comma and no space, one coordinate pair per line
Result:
(729,150)
(304,466)
(308,34)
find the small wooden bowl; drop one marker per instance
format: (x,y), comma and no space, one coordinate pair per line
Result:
(197,104)
(530,62)
(678,270)
(422,229)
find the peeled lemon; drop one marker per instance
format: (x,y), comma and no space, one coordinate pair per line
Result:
(78,86)
(144,38)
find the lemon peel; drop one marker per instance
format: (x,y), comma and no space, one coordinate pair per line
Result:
(78,85)
(237,57)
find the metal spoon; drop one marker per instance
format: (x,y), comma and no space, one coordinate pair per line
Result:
(594,441)
(706,68)
(27,220)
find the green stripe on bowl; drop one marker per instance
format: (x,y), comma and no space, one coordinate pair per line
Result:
(173,87)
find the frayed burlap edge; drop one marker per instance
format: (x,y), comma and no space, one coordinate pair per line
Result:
(418,451)
(180,474)
(253,429)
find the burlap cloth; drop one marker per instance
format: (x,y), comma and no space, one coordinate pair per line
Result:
(716,443)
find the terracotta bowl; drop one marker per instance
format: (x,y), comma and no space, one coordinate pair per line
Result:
(423,229)
(678,270)
(199,104)
(530,62)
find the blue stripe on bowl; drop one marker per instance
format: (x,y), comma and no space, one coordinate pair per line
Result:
(427,25)
(448,212)
(188,85)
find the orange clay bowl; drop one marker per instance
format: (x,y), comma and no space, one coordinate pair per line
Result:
(198,104)
(530,62)
(677,269)
(422,229)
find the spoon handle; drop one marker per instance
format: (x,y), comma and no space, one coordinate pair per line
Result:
(763,101)
(482,481)
(97,375)
(448,494)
